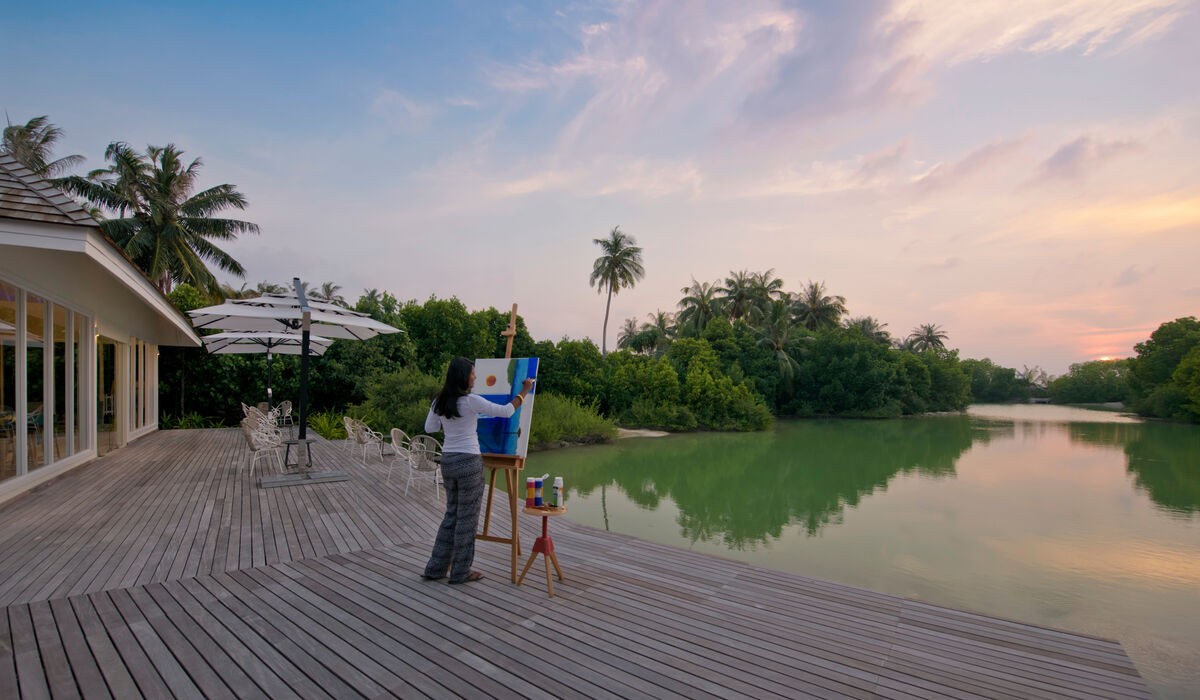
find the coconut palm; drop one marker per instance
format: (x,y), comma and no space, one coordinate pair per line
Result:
(927,336)
(164,228)
(243,292)
(700,304)
(765,287)
(629,331)
(737,294)
(618,267)
(814,309)
(328,291)
(775,330)
(266,287)
(32,145)
(871,327)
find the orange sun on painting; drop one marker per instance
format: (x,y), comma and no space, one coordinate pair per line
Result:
(491,380)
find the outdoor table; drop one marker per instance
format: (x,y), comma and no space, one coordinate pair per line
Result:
(287,452)
(544,545)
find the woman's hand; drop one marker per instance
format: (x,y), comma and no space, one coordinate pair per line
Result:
(527,385)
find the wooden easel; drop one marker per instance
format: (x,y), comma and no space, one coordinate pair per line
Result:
(511,465)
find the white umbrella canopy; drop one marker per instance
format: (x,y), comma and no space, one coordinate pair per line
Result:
(282,313)
(279,343)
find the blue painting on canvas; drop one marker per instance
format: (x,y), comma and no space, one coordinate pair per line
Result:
(498,381)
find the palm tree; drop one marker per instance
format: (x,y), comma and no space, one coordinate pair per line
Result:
(32,145)
(619,266)
(628,333)
(927,336)
(775,331)
(266,287)
(699,305)
(328,291)
(164,228)
(737,294)
(871,327)
(765,287)
(814,309)
(243,292)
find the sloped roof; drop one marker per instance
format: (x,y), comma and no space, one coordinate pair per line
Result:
(28,197)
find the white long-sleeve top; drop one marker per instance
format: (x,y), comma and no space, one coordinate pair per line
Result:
(460,432)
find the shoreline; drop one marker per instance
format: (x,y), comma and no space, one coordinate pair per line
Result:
(639,432)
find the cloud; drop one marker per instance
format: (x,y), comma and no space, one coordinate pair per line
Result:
(1075,159)
(954,33)
(1132,275)
(656,69)
(400,112)
(943,174)
(944,264)
(1191,292)
(879,162)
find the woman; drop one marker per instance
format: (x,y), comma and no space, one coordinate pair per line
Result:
(456,411)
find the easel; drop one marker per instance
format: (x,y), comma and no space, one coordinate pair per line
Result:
(511,464)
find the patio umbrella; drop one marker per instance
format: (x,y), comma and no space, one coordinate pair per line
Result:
(270,342)
(294,313)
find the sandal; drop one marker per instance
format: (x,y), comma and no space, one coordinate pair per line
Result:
(427,577)
(473,576)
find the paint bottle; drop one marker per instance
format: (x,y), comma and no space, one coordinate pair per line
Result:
(558,492)
(537,493)
(529,491)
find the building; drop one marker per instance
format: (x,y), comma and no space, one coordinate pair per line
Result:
(80,327)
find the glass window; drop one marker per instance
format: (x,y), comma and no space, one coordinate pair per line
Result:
(8,380)
(82,329)
(36,325)
(58,426)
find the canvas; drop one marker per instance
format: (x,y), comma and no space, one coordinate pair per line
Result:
(498,381)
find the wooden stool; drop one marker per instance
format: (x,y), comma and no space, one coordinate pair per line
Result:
(544,546)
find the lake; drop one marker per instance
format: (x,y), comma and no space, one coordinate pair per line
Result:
(1081,520)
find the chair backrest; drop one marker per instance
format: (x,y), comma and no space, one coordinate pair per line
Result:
(428,443)
(285,408)
(351,428)
(400,438)
(422,456)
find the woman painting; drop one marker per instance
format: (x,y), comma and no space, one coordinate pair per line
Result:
(456,412)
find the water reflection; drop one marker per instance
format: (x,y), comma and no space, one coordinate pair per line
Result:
(1083,521)
(806,473)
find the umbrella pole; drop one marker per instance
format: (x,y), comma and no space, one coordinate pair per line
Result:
(304,336)
(268,378)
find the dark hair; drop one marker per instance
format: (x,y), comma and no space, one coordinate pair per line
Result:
(458,383)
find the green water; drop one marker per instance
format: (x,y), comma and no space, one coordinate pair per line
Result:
(1081,520)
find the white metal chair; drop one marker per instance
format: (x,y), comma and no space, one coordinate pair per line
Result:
(400,453)
(351,433)
(262,440)
(285,414)
(368,439)
(426,457)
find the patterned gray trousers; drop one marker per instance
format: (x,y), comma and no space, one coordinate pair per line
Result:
(454,548)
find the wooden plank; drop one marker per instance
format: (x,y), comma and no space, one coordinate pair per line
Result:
(8,668)
(152,678)
(108,660)
(52,652)
(31,679)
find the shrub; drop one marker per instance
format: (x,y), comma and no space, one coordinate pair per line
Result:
(328,425)
(558,418)
(188,421)
(398,400)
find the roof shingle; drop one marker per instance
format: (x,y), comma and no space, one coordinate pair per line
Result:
(28,197)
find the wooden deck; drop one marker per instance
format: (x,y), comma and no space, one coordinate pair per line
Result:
(161,570)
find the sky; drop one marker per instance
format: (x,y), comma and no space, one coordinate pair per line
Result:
(1023,173)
